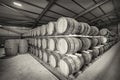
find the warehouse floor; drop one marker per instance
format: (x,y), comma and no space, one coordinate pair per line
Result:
(25,67)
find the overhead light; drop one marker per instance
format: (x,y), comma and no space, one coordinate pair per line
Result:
(0,25)
(17,4)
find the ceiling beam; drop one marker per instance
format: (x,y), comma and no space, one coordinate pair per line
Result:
(40,7)
(18,9)
(103,16)
(10,30)
(43,12)
(91,8)
(82,7)
(15,9)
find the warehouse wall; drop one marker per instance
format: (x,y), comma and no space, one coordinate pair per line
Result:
(5,34)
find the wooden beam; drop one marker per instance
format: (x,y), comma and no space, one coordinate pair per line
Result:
(10,30)
(40,7)
(43,12)
(91,8)
(103,16)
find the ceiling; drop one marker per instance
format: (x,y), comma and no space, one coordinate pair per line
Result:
(37,12)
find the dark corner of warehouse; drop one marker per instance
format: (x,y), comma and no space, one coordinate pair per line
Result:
(59,39)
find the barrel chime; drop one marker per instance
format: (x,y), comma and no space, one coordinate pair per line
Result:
(54,44)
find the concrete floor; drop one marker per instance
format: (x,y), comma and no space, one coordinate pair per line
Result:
(23,67)
(107,67)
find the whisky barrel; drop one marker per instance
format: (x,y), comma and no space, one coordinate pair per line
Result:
(52,43)
(44,43)
(54,58)
(43,30)
(71,64)
(23,46)
(94,31)
(46,55)
(11,47)
(51,29)
(35,42)
(36,52)
(106,32)
(40,54)
(86,43)
(103,40)
(66,25)
(96,52)
(87,56)
(68,45)
(39,43)
(38,31)
(94,42)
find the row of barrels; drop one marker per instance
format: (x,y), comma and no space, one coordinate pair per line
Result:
(15,46)
(70,63)
(64,26)
(67,45)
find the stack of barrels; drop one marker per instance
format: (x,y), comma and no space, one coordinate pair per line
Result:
(71,54)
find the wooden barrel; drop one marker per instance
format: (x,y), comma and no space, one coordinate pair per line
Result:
(40,54)
(44,43)
(66,25)
(43,30)
(86,43)
(68,45)
(51,29)
(52,43)
(70,64)
(23,46)
(106,32)
(36,52)
(84,28)
(94,42)
(103,40)
(38,31)
(35,42)
(87,56)
(46,55)
(34,32)
(96,52)
(54,58)
(11,47)
(39,43)
(94,31)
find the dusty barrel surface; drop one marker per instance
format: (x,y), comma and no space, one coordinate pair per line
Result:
(51,29)
(66,25)
(23,46)
(54,58)
(71,64)
(11,47)
(68,45)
